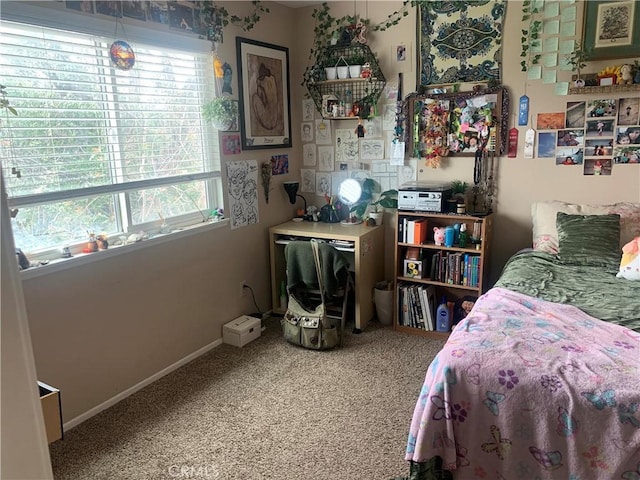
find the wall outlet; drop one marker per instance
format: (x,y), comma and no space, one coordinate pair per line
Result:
(243,291)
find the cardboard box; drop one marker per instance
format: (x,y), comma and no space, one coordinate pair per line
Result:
(241,331)
(51,411)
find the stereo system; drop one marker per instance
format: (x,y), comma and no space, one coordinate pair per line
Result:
(424,197)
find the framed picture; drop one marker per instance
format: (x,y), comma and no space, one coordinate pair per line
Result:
(230,144)
(263,76)
(328,101)
(611,29)
(607,80)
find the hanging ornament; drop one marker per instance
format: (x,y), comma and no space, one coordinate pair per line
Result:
(122,55)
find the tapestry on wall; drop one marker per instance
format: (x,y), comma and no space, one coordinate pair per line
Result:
(460,41)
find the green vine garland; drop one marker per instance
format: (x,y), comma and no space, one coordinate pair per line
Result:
(216,18)
(326,25)
(531,36)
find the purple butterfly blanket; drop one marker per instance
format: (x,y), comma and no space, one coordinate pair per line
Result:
(527,389)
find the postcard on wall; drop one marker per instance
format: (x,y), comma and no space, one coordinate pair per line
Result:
(389,116)
(372,127)
(243,194)
(306,132)
(569,156)
(550,121)
(309,154)
(597,166)
(323,184)
(546,144)
(279,164)
(323,132)
(629,111)
(308,109)
(230,143)
(371,149)
(626,154)
(326,162)
(346,146)
(308,180)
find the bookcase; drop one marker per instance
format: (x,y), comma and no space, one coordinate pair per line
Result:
(434,271)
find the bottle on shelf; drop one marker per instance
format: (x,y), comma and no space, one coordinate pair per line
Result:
(462,239)
(443,321)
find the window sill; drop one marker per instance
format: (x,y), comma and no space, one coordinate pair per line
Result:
(61,264)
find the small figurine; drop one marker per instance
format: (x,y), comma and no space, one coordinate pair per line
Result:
(360,130)
(366,70)
(626,74)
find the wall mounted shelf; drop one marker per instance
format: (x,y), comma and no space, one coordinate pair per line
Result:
(363,92)
(605,89)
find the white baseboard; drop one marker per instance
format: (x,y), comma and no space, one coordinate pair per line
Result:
(139,386)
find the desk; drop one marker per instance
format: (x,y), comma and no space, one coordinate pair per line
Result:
(365,253)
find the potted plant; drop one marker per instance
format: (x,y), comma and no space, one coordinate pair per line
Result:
(577,60)
(386,199)
(458,196)
(355,61)
(222,112)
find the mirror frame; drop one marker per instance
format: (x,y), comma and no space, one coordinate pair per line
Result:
(499,113)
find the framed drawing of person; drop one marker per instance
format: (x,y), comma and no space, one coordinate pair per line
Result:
(265,113)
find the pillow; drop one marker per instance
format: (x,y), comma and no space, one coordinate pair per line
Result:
(545,234)
(630,263)
(590,240)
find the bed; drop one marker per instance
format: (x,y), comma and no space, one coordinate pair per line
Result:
(542,379)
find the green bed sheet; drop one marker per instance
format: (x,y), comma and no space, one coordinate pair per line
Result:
(594,290)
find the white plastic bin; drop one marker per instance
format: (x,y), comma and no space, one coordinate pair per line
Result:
(383,298)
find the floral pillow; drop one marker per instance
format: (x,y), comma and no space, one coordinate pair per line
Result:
(545,233)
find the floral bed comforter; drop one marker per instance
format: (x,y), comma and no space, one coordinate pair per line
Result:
(530,389)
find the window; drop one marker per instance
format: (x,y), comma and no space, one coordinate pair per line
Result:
(95,149)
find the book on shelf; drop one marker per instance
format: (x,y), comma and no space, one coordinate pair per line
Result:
(420,231)
(416,305)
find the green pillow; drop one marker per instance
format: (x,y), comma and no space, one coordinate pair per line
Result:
(591,240)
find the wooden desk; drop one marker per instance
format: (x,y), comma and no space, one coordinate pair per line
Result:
(366,257)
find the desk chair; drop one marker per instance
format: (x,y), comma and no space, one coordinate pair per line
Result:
(302,279)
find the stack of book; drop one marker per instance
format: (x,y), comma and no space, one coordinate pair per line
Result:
(456,268)
(412,230)
(417,305)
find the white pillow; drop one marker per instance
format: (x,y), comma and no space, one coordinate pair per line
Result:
(543,215)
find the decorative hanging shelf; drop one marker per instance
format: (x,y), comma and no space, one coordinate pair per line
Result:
(362,91)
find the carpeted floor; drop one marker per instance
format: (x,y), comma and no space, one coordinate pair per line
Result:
(266,411)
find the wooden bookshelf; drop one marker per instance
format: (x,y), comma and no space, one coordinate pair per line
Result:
(454,282)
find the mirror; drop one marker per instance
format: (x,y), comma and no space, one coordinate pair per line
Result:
(459,123)
(350,191)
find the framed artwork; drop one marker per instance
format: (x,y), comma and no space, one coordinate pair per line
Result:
(611,29)
(230,144)
(263,76)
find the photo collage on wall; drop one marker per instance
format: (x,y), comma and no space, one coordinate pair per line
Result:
(596,134)
(178,15)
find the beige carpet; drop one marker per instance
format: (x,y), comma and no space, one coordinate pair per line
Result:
(266,411)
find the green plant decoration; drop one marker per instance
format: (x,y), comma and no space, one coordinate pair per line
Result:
(577,59)
(386,199)
(530,37)
(221,112)
(458,187)
(216,18)
(326,26)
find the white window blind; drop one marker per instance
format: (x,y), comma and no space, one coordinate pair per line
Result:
(99,149)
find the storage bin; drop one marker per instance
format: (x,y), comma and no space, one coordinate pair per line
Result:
(241,331)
